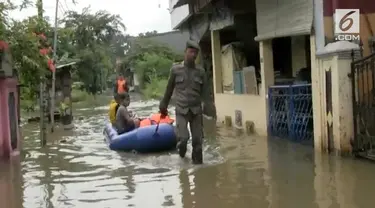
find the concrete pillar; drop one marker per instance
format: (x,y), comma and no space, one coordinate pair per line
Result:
(216,61)
(266,72)
(266,66)
(318,98)
(337,121)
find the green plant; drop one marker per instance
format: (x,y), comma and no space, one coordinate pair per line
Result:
(152,66)
(155,89)
(79,96)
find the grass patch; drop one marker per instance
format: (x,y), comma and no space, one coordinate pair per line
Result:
(155,89)
(82,99)
(28,105)
(79,96)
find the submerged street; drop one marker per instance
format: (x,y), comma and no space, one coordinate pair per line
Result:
(77,169)
(295,71)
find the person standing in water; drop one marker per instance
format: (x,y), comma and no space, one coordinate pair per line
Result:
(121,85)
(191,89)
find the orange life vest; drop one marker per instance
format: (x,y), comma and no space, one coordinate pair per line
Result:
(145,122)
(121,86)
(155,119)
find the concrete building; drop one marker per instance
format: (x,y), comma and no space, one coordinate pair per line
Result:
(175,40)
(272,47)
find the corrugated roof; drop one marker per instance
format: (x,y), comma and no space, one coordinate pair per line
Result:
(64,65)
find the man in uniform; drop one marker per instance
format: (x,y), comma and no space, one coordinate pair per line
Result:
(191,89)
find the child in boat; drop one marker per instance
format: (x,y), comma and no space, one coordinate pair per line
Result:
(124,121)
(113,106)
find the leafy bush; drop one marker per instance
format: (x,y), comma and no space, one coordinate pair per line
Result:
(152,66)
(79,96)
(155,89)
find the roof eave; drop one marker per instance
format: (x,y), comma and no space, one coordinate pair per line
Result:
(180,3)
(184,21)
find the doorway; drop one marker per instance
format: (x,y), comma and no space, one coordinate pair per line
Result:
(12,120)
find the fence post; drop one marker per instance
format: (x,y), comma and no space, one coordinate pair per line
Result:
(42,108)
(290,100)
(270,108)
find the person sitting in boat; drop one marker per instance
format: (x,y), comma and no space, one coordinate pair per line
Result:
(113,107)
(124,121)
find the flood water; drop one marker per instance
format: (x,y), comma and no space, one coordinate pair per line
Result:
(77,169)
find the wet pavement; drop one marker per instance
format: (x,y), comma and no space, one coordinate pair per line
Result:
(78,170)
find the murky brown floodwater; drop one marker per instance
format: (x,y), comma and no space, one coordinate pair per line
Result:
(239,171)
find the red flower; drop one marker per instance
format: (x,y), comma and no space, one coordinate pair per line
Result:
(3,45)
(51,65)
(42,36)
(43,51)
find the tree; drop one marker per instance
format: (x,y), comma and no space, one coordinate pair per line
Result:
(93,38)
(98,39)
(148,34)
(152,66)
(140,46)
(23,38)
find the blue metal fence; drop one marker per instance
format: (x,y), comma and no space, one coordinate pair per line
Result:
(290,112)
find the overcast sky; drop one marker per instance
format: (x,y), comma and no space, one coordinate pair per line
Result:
(138,15)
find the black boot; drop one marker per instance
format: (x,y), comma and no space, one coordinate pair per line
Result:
(197,156)
(181,147)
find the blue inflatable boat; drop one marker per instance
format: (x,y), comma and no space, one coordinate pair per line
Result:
(144,139)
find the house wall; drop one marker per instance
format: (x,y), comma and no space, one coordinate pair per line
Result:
(254,107)
(176,40)
(324,58)
(6,86)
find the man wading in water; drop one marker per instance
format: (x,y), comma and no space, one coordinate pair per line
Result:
(191,89)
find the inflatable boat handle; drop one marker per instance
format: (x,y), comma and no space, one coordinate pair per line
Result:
(157,127)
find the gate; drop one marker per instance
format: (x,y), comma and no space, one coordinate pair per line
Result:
(363,77)
(290,112)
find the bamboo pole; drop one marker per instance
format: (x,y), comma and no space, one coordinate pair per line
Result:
(52,108)
(42,126)
(42,87)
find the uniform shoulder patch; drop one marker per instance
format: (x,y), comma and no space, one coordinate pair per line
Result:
(176,67)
